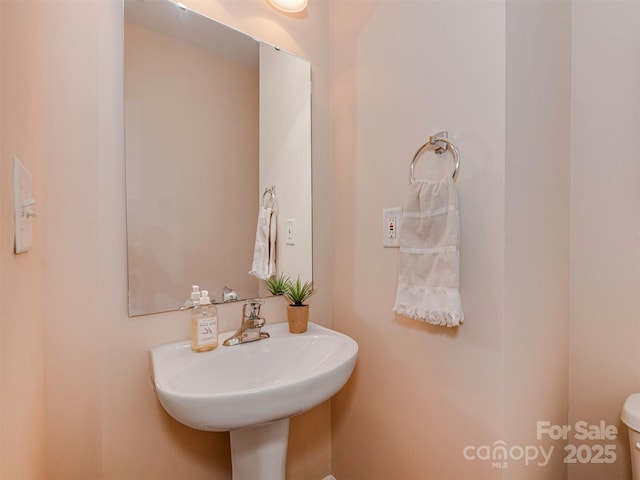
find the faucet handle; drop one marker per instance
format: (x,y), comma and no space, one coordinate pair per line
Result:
(251,309)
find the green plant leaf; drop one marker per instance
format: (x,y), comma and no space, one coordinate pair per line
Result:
(277,285)
(297,292)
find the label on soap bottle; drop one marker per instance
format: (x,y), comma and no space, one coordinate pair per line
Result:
(207,330)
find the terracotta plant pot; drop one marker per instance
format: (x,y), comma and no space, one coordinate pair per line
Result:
(298,318)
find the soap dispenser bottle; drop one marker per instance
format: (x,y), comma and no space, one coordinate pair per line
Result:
(204,325)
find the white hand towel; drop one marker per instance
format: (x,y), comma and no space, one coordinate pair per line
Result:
(429,269)
(264,250)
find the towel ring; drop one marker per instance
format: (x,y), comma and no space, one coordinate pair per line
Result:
(437,140)
(269,191)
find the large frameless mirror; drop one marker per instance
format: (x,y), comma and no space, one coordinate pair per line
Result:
(213,119)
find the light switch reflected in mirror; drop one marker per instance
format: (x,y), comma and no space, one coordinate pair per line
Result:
(212,118)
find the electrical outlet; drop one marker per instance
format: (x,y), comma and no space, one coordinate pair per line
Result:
(390,222)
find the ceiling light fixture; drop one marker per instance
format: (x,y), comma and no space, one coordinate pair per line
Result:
(289,6)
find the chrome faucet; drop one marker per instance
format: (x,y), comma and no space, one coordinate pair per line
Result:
(252,322)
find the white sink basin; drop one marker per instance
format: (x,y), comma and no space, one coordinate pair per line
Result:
(252,384)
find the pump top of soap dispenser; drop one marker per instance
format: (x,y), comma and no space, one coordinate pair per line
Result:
(195,294)
(194,300)
(204,298)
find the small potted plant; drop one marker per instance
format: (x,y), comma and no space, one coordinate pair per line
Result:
(297,311)
(277,284)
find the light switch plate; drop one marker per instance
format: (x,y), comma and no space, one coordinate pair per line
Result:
(22,196)
(291,231)
(390,222)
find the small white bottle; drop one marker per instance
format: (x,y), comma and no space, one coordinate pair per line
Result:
(204,325)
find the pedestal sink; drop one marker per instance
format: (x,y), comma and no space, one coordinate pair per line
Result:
(252,389)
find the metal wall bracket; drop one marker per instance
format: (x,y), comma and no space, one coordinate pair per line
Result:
(441,147)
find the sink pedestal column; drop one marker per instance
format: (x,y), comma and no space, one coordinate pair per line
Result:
(260,452)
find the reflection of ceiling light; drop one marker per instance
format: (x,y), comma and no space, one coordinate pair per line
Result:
(289,6)
(181,6)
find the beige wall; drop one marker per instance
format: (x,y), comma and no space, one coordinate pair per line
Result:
(605,221)
(400,72)
(3,227)
(22,434)
(285,152)
(551,57)
(419,393)
(536,323)
(102,417)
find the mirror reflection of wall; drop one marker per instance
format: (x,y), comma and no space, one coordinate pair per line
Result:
(212,117)
(285,144)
